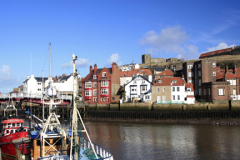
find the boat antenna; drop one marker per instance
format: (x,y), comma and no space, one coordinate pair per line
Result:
(50,59)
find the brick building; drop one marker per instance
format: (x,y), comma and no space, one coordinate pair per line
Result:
(101,85)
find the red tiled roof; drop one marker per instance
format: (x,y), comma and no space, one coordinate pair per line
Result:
(237,75)
(166,81)
(214,52)
(220,75)
(190,96)
(167,72)
(237,70)
(135,71)
(189,85)
(229,75)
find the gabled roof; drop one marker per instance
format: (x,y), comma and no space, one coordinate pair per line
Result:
(167,81)
(138,77)
(189,85)
(167,72)
(65,78)
(220,75)
(39,79)
(215,52)
(135,71)
(89,77)
(229,75)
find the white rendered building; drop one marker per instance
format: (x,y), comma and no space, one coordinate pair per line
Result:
(139,87)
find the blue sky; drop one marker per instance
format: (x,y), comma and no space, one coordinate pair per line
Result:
(103,31)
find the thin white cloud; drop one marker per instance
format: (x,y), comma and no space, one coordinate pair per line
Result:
(114,58)
(79,63)
(7,80)
(170,40)
(221,45)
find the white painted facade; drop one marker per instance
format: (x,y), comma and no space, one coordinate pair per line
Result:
(178,94)
(190,99)
(124,80)
(138,87)
(32,86)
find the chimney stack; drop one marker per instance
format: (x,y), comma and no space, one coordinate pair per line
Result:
(226,69)
(90,69)
(95,68)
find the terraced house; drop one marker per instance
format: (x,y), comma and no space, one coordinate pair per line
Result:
(101,85)
(172,90)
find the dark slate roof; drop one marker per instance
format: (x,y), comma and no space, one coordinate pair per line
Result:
(65,78)
(143,77)
(39,79)
(159,68)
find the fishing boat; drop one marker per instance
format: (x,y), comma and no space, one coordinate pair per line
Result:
(14,137)
(55,142)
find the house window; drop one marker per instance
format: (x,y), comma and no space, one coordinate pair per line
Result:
(220,91)
(94,99)
(158,90)
(144,88)
(200,91)
(174,97)
(94,92)
(147,97)
(94,76)
(233,82)
(134,81)
(199,73)
(178,89)
(190,66)
(214,73)
(189,81)
(199,82)
(88,93)
(199,65)
(173,89)
(88,85)
(94,84)
(164,89)
(214,64)
(104,83)
(178,97)
(39,83)
(143,81)
(159,81)
(104,91)
(104,74)
(188,89)
(234,91)
(174,81)
(189,74)
(134,89)
(204,91)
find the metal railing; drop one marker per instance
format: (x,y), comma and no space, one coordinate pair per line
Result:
(31,95)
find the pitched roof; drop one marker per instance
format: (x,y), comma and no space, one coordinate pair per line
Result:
(39,79)
(215,52)
(237,70)
(167,72)
(229,75)
(189,85)
(89,77)
(167,81)
(220,75)
(65,78)
(135,71)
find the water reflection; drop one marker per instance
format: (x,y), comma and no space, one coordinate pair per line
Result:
(157,141)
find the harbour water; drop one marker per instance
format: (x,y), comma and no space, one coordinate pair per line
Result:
(128,141)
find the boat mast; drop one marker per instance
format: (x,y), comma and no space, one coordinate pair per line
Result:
(50,59)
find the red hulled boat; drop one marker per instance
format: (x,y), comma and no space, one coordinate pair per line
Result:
(14,139)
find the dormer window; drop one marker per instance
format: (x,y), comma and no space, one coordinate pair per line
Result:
(104,74)
(174,81)
(159,81)
(188,89)
(94,76)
